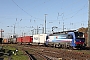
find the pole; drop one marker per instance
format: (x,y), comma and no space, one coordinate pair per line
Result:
(63,25)
(42,30)
(1,33)
(14,29)
(37,29)
(22,34)
(88,41)
(45,23)
(14,26)
(63,21)
(32,32)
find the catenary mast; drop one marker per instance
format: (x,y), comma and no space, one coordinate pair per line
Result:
(88,41)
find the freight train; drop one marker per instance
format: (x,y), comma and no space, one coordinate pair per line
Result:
(65,39)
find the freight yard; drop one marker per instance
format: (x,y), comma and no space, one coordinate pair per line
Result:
(44,47)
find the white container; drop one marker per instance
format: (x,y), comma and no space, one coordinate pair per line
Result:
(39,38)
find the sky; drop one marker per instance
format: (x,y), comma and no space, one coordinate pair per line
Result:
(27,15)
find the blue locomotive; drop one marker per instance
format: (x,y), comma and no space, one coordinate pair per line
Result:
(73,39)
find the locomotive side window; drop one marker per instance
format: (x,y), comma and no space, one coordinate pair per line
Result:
(69,36)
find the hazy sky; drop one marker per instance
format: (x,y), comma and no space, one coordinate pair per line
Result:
(24,14)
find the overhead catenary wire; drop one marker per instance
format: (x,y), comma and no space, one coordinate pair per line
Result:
(45,2)
(24,10)
(79,10)
(20,7)
(74,3)
(74,13)
(41,3)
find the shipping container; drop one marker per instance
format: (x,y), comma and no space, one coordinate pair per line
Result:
(27,39)
(36,38)
(39,38)
(42,38)
(19,39)
(5,40)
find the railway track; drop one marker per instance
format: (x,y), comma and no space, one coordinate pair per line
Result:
(33,56)
(30,56)
(44,55)
(64,54)
(47,53)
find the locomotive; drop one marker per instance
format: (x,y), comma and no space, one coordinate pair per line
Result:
(66,40)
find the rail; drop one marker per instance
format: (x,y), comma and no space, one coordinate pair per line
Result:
(31,56)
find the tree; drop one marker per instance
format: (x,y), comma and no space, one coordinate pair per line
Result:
(82,29)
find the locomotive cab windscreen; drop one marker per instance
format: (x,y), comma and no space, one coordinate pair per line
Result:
(80,40)
(78,34)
